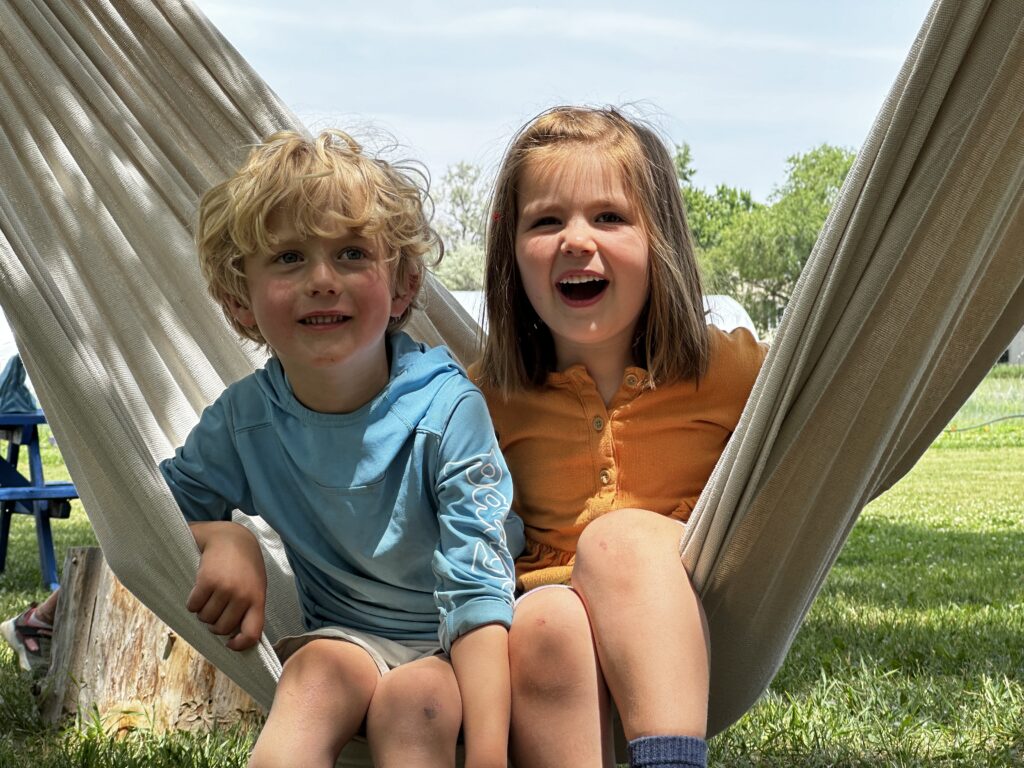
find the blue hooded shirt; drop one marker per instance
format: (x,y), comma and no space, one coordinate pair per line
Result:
(395,517)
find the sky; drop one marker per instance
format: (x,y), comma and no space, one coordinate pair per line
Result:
(747,83)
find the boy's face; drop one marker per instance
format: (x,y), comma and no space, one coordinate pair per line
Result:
(323,304)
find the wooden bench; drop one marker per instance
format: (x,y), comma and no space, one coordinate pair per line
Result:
(32,495)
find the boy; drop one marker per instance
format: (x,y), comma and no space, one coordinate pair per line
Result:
(370,455)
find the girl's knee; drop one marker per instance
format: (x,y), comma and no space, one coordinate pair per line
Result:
(551,647)
(624,546)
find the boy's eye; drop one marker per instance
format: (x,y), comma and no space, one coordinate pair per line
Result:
(351,254)
(609,217)
(289,257)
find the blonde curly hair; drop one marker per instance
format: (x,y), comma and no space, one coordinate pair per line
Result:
(320,184)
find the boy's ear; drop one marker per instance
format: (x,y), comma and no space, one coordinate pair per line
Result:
(241,313)
(405,292)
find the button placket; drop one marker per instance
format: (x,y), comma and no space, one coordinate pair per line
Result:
(602,425)
(604,453)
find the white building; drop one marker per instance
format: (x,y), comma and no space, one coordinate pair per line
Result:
(1015,352)
(723,311)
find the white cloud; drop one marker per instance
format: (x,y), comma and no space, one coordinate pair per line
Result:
(610,28)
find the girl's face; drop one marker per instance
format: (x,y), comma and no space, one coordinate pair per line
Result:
(583,256)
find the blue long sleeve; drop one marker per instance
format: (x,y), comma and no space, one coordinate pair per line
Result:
(395,518)
(473,564)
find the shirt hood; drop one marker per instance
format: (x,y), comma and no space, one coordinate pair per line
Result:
(417,374)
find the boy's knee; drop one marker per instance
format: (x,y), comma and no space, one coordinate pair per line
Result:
(422,701)
(551,648)
(323,666)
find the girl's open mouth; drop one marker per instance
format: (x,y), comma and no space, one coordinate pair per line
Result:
(582,287)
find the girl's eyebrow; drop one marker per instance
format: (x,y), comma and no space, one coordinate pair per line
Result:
(609,201)
(534,205)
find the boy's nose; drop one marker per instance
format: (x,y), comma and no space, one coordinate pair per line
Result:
(323,278)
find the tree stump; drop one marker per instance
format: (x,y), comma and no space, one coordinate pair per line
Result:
(113,657)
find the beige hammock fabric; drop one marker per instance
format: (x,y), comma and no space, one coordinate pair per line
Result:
(117,114)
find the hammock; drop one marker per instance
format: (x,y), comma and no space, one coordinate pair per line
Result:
(117,114)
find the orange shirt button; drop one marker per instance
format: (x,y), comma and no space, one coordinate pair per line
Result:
(598,423)
(606,476)
(631,380)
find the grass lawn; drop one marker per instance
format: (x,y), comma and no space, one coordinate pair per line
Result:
(913,654)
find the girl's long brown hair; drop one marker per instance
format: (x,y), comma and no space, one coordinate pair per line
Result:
(671,339)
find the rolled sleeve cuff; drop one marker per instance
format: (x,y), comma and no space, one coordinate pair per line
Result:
(473,614)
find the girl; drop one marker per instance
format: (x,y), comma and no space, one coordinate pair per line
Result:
(612,400)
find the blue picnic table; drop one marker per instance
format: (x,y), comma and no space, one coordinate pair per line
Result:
(30,495)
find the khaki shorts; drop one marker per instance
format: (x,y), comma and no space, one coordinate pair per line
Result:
(386,654)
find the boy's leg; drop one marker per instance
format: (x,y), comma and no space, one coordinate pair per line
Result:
(415,716)
(320,702)
(650,630)
(559,701)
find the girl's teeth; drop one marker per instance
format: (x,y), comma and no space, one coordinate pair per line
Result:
(582,287)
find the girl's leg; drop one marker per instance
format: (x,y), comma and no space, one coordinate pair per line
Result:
(649,625)
(415,716)
(559,701)
(320,702)
(47,610)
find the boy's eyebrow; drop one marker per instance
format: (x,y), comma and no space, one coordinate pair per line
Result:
(296,243)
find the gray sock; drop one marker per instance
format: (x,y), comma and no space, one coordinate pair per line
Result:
(668,752)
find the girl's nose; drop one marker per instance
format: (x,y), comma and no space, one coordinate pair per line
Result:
(578,240)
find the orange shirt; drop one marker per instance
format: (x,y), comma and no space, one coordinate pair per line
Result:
(573,458)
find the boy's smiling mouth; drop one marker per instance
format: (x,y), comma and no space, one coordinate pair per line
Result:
(323,320)
(581,287)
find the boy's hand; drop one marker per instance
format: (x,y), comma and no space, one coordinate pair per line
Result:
(480,661)
(231,585)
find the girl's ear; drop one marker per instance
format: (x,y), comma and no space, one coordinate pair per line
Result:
(405,292)
(242,314)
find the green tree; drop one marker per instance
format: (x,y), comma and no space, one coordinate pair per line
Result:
(462,205)
(709,214)
(460,209)
(462,268)
(758,254)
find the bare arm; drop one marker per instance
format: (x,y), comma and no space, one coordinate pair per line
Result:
(231,585)
(480,660)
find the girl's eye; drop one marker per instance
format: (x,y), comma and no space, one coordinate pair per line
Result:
(609,217)
(545,221)
(352,254)
(289,257)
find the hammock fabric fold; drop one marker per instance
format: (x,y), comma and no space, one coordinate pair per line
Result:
(117,114)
